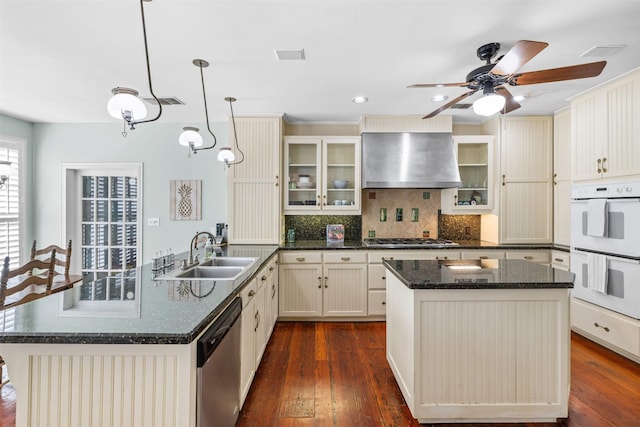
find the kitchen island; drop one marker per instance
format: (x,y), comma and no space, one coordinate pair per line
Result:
(480,341)
(77,358)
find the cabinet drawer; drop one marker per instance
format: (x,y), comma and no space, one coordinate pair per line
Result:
(248,293)
(311,257)
(560,259)
(343,257)
(375,257)
(377,275)
(541,256)
(377,303)
(614,328)
(482,254)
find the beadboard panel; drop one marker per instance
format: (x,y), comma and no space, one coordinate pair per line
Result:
(259,139)
(258,215)
(526,148)
(622,151)
(586,137)
(414,123)
(300,291)
(522,221)
(345,292)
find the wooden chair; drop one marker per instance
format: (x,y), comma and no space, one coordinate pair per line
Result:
(64,261)
(28,285)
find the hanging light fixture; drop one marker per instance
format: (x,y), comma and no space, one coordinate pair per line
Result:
(190,136)
(490,102)
(125,104)
(6,170)
(226,155)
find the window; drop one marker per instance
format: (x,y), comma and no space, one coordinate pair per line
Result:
(11,213)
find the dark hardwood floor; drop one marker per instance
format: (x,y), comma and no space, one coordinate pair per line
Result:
(336,374)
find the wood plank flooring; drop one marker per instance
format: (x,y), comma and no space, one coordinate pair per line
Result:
(336,374)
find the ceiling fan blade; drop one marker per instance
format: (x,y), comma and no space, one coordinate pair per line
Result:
(449,104)
(521,53)
(465,84)
(510,103)
(572,72)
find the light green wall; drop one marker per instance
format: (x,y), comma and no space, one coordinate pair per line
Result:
(154,145)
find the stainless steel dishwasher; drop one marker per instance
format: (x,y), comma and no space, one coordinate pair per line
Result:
(218,399)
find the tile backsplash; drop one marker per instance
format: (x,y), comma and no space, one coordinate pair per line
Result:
(400,212)
(313,227)
(459,227)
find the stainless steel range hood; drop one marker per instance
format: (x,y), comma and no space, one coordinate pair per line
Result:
(409,160)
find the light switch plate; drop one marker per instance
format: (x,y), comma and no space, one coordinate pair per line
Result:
(153,222)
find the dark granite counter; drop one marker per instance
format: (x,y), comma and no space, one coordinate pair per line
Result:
(478,274)
(152,312)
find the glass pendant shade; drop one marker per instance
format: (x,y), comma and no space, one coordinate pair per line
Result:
(226,155)
(190,137)
(488,104)
(126,100)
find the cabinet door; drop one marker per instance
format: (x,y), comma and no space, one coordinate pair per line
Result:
(271,296)
(622,157)
(303,174)
(254,184)
(260,324)
(345,290)
(300,290)
(587,136)
(341,162)
(247,340)
(562,178)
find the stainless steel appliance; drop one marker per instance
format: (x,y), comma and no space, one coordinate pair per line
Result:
(218,370)
(401,242)
(409,160)
(605,245)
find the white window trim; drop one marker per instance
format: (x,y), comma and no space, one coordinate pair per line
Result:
(20,144)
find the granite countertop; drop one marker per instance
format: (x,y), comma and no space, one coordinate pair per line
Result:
(153,311)
(478,274)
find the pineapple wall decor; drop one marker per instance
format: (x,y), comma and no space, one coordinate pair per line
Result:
(186,200)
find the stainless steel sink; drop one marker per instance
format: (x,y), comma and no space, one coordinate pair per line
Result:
(222,268)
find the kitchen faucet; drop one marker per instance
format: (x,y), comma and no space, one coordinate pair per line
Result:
(194,245)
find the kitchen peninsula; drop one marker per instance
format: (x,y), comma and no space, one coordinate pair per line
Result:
(92,361)
(479,340)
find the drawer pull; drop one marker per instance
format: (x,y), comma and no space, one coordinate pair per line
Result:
(558,260)
(345,258)
(528,257)
(444,257)
(273,291)
(484,257)
(252,293)
(263,278)
(319,282)
(600,326)
(271,268)
(300,258)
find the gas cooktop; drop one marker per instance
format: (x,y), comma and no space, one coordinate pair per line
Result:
(401,242)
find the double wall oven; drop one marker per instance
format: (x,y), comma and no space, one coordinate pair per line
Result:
(605,245)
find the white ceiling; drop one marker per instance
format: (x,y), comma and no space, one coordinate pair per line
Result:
(59,59)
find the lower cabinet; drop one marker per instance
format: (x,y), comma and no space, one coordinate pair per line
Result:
(540,256)
(561,260)
(316,284)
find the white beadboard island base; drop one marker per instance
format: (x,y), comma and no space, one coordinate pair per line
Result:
(480,355)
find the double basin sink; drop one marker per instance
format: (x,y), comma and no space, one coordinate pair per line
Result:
(223,268)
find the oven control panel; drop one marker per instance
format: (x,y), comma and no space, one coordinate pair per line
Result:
(606,191)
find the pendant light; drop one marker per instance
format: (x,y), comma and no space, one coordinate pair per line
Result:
(226,155)
(125,104)
(190,136)
(490,102)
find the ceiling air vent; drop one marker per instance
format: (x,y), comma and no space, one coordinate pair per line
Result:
(602,51)
(461,106)
(164,101)
(290,54)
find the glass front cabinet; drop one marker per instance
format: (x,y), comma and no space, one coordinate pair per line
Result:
(475,163)
(322,174)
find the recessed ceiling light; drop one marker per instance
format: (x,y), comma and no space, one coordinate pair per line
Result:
(359,99)
(294,54)
(439,97)
(519,98)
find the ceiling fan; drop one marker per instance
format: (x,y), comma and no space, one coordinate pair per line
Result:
(493,78)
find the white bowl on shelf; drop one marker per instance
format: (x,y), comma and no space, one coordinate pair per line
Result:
(340,183)
(302,184)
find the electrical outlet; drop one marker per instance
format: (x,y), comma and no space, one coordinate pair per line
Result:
(153,222)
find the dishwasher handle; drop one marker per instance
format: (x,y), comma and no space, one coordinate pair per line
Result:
(212,338)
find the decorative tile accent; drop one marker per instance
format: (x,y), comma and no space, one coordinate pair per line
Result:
(383,214)
(415,216)
(185,200)
(314,227)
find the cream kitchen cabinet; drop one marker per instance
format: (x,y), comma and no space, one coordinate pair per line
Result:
(475,163)
(541,256)
(269,276)
(254,185)
(526,171)
(606,131)
(562,178)
(311,287)
(561,260)
(253,334)
(482,254)
(312,164)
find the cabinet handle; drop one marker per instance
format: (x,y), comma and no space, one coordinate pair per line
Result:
(555,175)
(484,257)
(604,169)
(263,278)
(504,179)
(319,282)
(273,291)
(345,258)
(300,258)
(599,163)
(325,282)
(558,259)
(277,179)
(600,326)
(528,257)
(455,200)
(444,257)
(257,318)
(251,293)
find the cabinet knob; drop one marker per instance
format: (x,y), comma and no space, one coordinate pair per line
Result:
(252,293)
(604,166)
(384,303)
(384,277)
(263,278)
(443,257)
(528,257)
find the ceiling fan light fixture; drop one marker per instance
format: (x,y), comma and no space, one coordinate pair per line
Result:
(488,104)
(125,104)
(519,98)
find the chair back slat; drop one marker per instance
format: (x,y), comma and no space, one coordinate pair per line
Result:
(62,257)
(28,285)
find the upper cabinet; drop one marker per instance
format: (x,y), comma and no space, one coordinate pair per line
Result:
(562,178)
(605,131)
(475,163)
(322,174)
(254,184)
